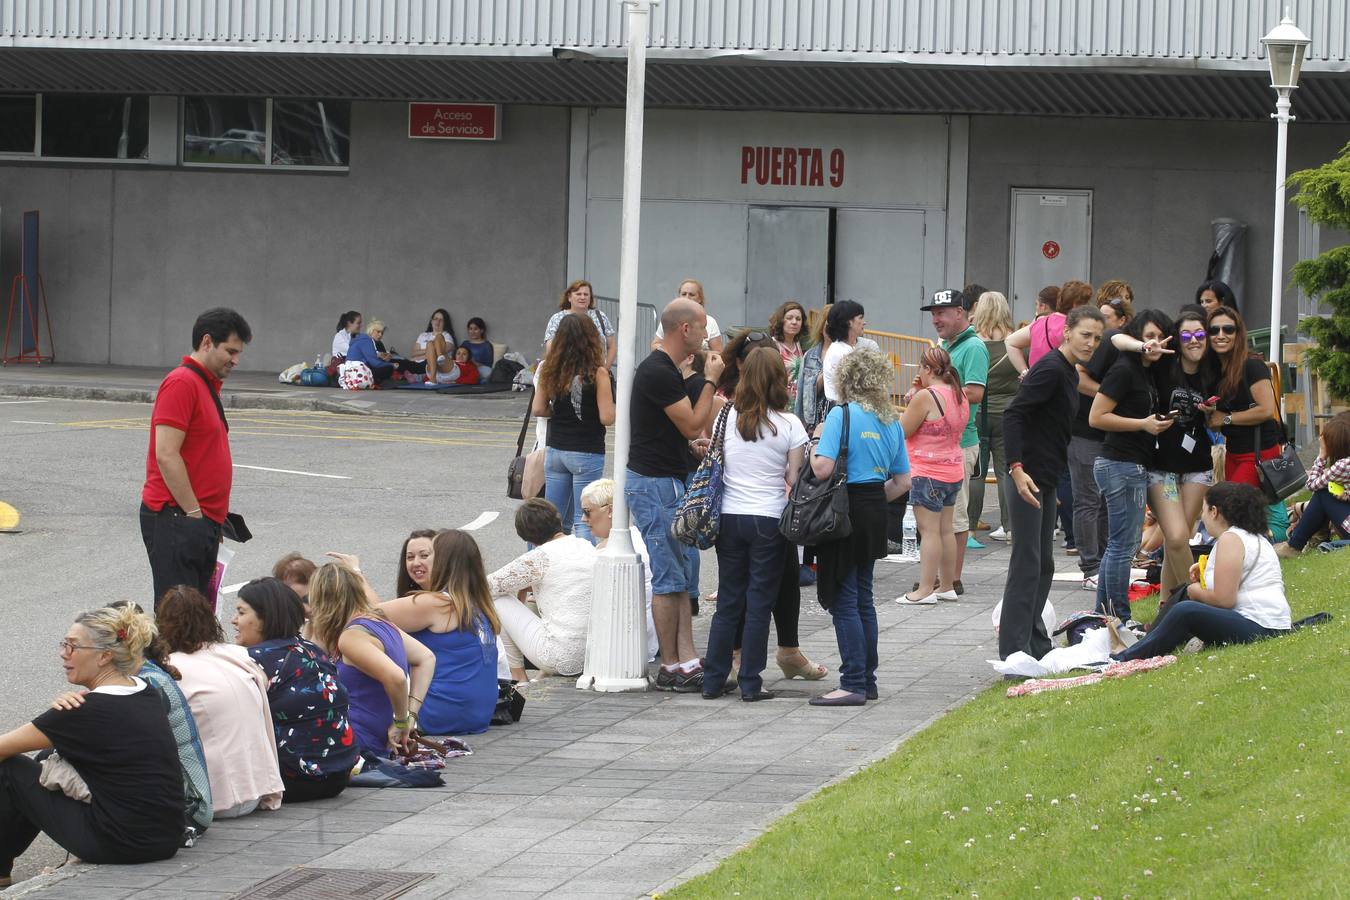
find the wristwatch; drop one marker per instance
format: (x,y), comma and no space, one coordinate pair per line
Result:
(1228,420)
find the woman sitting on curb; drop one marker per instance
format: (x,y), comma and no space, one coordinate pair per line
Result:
(1239,596)
(316,747)
(115,736)
(227,693)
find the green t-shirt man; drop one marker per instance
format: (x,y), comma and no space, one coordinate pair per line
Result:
(971,359)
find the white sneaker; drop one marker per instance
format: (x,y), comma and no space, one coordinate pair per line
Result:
(998,534)
(930,600)
(1090,583)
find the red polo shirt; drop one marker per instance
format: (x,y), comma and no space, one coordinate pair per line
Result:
(185,402)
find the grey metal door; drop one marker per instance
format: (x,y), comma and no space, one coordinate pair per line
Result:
(879,262)
(1051,243)
(787,258)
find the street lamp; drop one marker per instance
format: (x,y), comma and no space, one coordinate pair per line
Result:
(616,642)
(1285,48)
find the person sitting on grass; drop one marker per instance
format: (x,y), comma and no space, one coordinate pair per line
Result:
(1239,595)
(452,616)
(1328,479)
(316,747)
(116,737)
(227,693)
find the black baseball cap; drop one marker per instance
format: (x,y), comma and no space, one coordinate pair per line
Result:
(946,299)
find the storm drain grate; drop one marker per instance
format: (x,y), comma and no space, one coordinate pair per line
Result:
(303,883)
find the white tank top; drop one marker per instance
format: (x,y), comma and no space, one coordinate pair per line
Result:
(1260,595)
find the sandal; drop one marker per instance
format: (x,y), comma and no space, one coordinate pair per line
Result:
(795,665)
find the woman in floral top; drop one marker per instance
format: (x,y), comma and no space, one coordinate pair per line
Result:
(316,748)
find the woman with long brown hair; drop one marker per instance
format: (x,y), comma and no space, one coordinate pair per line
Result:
(454,618)
(787,327)
(575,394)
(1246,409)
(933,423)
(763,450)
(385,672)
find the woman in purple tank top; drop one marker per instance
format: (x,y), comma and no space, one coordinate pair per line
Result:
(385,672)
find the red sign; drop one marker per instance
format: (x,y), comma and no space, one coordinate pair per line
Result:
(453,121)
(1050,249)
(805,166)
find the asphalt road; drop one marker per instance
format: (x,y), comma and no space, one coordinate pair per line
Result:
(309,482)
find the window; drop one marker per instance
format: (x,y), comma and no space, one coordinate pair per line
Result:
(18,121)
(95,127)
(259,132)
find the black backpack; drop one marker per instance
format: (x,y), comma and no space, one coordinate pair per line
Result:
(504,371)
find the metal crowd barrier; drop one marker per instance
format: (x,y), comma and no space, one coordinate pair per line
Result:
(904,352)
(647,319)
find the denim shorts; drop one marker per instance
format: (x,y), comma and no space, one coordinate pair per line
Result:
(652,503)
(1206,478)
(932,494)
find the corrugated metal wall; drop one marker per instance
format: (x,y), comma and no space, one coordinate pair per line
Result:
(1219,31)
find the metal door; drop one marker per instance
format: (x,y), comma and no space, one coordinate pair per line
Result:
(1051,243)
(787,258)
(879,262)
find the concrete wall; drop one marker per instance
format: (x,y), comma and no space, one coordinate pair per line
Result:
(1156,187)
(130,256)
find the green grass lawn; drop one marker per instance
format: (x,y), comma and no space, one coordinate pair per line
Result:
(1223,775)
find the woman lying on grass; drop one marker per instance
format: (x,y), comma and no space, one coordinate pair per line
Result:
(1239,597)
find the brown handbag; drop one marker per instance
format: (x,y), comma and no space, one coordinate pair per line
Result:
(525,474)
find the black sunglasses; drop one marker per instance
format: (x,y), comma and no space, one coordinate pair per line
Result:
(752,340)
(1225,329)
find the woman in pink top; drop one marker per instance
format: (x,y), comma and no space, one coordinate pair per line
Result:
(933,421)
(1030,342)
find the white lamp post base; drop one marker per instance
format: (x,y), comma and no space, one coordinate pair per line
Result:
(616,644)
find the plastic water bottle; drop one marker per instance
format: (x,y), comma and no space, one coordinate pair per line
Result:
(910,543)
(318,361)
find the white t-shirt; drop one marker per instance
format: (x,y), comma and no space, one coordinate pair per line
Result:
(713,331)
(754,473)
(342,341)
(833,357)
(1260,595)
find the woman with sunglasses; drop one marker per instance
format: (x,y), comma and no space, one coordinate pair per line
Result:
(1115,301)
(1246,408)
(1185,377)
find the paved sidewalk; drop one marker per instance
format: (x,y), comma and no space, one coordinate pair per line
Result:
(620,795)
(252,390)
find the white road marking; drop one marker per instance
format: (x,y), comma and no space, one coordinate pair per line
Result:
(231,588)
(293,472)
(12,402)
(486,518)
(31,422)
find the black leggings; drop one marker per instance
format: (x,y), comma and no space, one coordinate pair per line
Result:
(787,609)
(302,790)
(27,808)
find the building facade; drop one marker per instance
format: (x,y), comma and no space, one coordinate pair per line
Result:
(262,154)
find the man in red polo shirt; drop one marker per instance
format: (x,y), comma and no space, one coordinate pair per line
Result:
(188,470)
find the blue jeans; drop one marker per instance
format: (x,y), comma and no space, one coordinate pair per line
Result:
(1321,509)
(1189,619)
(855,629)
(566,474)
(652,501)
(1124,485)
(749,564)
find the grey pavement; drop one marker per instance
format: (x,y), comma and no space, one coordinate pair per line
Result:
(590,795)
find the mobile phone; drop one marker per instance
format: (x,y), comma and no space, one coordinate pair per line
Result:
(1212,400)
(1171,414)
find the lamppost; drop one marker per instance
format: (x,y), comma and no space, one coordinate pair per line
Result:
(616,643)
(1285,47)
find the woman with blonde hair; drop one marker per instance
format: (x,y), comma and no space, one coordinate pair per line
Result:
(386,672)
(574,393)
(933,422)
(115,737)
(878,471)
(579,297)
(993,323)
(693,290)
(454,619)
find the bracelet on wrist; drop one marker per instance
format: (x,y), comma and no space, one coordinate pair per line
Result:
(404,723)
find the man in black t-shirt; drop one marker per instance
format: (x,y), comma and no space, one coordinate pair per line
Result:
(663,421)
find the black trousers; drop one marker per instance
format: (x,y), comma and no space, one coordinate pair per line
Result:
(182,549)
(302,790)
(895,518)
(1031,571)
(27,808)
(787,609)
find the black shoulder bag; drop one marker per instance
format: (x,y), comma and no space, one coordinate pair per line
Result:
(817,511)
(1283,476)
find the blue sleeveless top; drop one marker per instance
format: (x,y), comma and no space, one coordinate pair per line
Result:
(463,691)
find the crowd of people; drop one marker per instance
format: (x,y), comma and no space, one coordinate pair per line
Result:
(434,357)
(171,725)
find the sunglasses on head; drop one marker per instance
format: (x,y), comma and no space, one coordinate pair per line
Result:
(752,340)
(1188,337)
(1116,302)
(1225,329)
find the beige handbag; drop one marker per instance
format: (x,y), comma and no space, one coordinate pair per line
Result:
(58,775)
